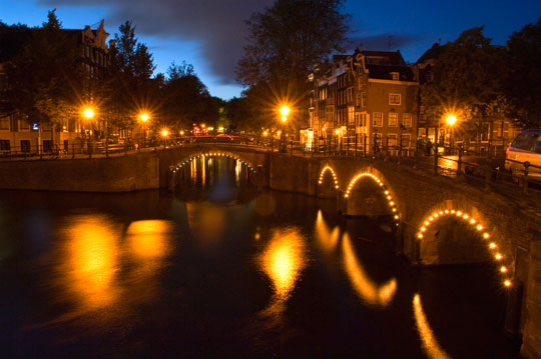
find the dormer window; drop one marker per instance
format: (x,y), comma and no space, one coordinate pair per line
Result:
(395,76)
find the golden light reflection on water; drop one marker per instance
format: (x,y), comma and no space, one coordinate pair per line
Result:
(366,289)
(325,237)
(149,239)
(92,259)
(430,344)
(283,261)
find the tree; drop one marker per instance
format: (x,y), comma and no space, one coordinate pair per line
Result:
(45,77)
(131,89)
(286,41)
(523,85)
(186,100)
(467,81)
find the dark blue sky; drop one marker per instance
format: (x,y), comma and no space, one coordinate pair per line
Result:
(209,33)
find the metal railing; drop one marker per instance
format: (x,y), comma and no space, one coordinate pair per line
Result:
(475,168)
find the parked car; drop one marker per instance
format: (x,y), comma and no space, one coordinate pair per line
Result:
(525,148)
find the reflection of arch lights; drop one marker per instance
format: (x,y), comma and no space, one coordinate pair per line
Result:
(328,169)
(369,291)
(396,215)
(430,344)
(212,154)
(474,223)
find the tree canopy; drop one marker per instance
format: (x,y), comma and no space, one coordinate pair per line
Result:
(523,85)
(286,41)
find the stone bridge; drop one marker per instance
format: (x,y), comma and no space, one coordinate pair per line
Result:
(438,220)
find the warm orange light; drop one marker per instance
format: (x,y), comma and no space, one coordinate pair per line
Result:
(265,133)
(88,113)
(285,110)
(451,119)
(503,269)
(144,117)
(165,133)
(507,283)
(337,132)
(182,133)
(283,119)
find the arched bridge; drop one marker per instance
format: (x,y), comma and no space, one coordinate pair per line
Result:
(439,220)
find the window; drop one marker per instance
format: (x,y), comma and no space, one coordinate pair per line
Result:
(525,140)
(393,119)
(406,140)
(391,140)
(5,145)
(407,119)
(395,76)
(363,99)
(47,146)
(377,119)
(4,123)
(25,145)
(24,125)
(394,99)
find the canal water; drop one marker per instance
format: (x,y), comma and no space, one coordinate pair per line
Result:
(218,270)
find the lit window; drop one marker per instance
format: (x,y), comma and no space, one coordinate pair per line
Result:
(407,119)
(377,121)
(393,119)
(394,99)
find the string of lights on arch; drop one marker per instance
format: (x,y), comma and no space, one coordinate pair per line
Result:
(212,154)
(493,246)
(380,183)
(322,174)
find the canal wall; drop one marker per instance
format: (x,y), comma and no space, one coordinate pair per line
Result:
(114,174)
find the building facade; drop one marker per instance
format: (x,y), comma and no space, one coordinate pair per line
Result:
(492,136)
(17,134)
(369,100)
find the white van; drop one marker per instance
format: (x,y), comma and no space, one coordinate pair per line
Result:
(526,147)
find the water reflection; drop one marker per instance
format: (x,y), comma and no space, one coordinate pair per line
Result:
(149,239)
(430,344)
(283,260)
(325,237)
(92,259)
(365,288)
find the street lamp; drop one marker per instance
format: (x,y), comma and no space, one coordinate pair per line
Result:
(88,113)
(144,117)
(451,121)
(164,133)
(284,111)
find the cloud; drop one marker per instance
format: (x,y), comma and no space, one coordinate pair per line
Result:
(218,25)
(385,42)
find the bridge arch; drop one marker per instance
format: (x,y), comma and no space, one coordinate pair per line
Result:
(327,191)
(472,220)
(383,189)
(175,168)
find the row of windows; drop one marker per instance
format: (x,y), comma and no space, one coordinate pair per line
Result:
(377,119)
(346,96)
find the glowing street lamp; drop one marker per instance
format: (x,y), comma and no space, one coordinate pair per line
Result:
(144,117)
(88,113)
(451,120)
(164,134)
(284,111)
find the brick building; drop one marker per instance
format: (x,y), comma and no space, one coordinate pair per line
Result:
(16,133)
(368,99)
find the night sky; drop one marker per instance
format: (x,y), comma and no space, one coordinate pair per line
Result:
(209,33)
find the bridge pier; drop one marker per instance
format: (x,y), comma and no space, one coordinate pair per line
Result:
(531,339)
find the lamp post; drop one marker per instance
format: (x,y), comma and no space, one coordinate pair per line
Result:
(144,117)
(451,121)
(164,133)
(284,111)
(88,113)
